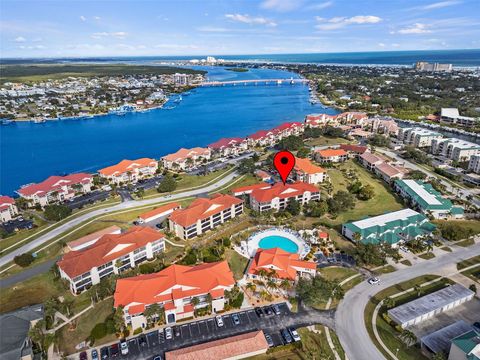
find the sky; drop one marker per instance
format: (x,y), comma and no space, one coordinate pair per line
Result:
(66,28)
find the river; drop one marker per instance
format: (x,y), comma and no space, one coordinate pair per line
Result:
(32,152)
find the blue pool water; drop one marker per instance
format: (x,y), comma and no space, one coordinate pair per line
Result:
(281,242)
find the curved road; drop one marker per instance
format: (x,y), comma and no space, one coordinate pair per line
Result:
(122,206)
(349,320)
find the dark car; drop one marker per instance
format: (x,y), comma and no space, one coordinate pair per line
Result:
(276,309)
(268,310)
(83,355)
(94,354)
(104,353)
(259,312)
(286,336)
(114,350)
(142,340)
(158,357)
(476,325)
(236,319)
(176,330)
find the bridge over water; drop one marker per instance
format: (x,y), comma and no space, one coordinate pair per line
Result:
(290,81)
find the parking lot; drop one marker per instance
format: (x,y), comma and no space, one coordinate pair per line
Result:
(90,198)
(154,343)
(17,224)
(335,259)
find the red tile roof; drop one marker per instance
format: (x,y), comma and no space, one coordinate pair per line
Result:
(354,148)
(307,167)
(183,154)
(127,165)
(225,143)
(54,183)
(288,125)
(109,247)
(371,158)
(284,263)
(331,153)
(6,202)
(203,208)
(234,347)
(282,191)
(159,210)
(389,170)
(173,282)
(261,134)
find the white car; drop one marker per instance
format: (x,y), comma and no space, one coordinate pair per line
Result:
(294,334)
(219,320)
(168,333)
(374,281)
(123,347)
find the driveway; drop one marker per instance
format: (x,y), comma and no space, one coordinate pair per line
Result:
(349,317)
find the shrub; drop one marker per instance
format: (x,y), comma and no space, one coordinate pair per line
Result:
(56,212)
(99,331)
(23,260)
(137,331)
(146,268)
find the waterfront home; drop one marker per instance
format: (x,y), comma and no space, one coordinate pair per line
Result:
(8,209)
(288,129)
(370,161)
(279,265)
(185,159)
(321,120)
(389,172)
(174,289)
(418,137)
(423,197)
(90,239)
(307,172)
(454,149)
(391,228)
(354,151)
(262,138)
(229,146)
(159,213)
(127,171)
(265,197)
(56,189)
(203,215)
(352,118)
(111,254)
(330,156)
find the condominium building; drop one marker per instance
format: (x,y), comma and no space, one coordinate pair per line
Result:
(288,129)
(265,197)
(434,67)
(305,171)
(455,149)
(354,151)
(452,116)
(203,215)
(382,125)
(262,138)
(320,120)
(229,146)
(8,209)
(331,156)
(56,189)
(371,161)
(389,172)
(418,137)
(174,288)
(391,228)
(185,159)
(423,197)
(352,118)
(111,254)
(474,164)
(129,171)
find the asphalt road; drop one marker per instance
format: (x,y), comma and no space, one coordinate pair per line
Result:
(38,242)
(28,273)
(349,320)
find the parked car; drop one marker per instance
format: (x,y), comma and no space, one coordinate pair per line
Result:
(104,352)
(114,350)
(259,312)
(83,355)
(176,331)
(268,310)
(94,354)
(374,281)
(269,340)
(142,340)
(219,320)
(286,336)
(476,325)
(276,309)
(236,319)
(158,357)
(168,333)
(294,334)
(123,347)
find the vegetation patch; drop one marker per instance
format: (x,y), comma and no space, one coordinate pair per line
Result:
(469,262)
(427,256)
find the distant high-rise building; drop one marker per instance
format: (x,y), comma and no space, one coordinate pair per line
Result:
(211,60)
(426,66)
(180,79)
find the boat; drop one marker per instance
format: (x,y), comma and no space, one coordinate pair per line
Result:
(39,121)
(7,122)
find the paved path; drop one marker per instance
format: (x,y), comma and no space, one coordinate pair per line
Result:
(349,319)
(4,260)
(27,273)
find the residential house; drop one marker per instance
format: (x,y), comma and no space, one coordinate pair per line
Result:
(112,253)
(370,161)
(279,264)
(288,129)
(352,117)
(360,133)
(185,159)
(307,172)
(203,215)
(262,138)
(330,156)
(382,125)
(56,189)
(354,151)
(127,171)
(321,120)
(173,289)
(8,209)
(263,175)
(229,146)
(391,228)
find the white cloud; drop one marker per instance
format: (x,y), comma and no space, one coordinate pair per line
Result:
(175,46)
(247,19)
(320,6)
(97,18)
(440,4)
(19,39)
(381,44)
(395,45)
(281,5)
(104,34)
(83,18)
(417,28)
(340,22)
(32,47)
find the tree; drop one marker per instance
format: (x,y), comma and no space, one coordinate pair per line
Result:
(22,203)
(303,153)
(23,260)
(379,140)
(355,187)
(370,254)
(357,237)
(473,287)
(389,302)
(408,337)
(342,200)
(417,175)
(291,143)
(118,320)
(439,356)
(316,289)
(168,184)
(246,166)
(56,212)
(140,192)
(285,284)
(37,334)
(366,192)
(152,313)
(293,207)
(315,209)
(251,286)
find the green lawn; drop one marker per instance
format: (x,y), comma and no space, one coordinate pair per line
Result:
(236,262)
(427,256)
(446,248)
(406,262)
(336,273)
(383,201)
(469,262)
(326,141)
(385,269)
(465,243)
(473,226)
(473,273)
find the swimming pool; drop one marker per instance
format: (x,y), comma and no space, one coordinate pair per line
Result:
(274,241)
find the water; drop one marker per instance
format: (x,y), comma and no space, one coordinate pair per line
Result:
(31,152)
(275,241)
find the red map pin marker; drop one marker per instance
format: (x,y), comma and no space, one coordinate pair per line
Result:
(284,161)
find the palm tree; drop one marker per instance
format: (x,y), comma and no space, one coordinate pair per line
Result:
(285,284)
(389,302)
(264,295)
(195,301)
(357,237)
(418,290)
(251,286)
(262,273)
(272,284)
(408,337)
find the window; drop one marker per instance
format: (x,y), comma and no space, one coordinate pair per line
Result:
(136,251)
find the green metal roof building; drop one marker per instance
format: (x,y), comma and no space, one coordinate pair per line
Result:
(426,199)
(390,228)
(465,347)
